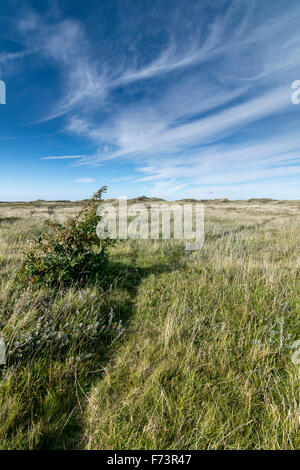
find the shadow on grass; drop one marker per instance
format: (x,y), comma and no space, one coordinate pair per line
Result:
(126,278)
(9,220)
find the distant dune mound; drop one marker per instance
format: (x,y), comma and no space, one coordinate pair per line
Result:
(187,200)
(223,199)
(261,200)
(145,199)
(203,200)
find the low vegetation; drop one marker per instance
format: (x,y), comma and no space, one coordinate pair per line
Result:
(166,349)
(66,252)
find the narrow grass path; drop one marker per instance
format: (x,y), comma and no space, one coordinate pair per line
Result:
(61,342)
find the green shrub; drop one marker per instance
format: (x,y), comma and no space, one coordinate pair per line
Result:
(67,252)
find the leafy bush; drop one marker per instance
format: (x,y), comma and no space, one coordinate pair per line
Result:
(67,252)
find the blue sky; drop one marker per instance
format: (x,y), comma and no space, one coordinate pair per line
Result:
(169,98)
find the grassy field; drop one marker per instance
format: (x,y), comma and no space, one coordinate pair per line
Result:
(168,349)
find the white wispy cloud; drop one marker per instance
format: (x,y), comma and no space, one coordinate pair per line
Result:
(143,134)
(63,157)
(225,78)
(64,43)
(84,180)
(232,169)
(9,61)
